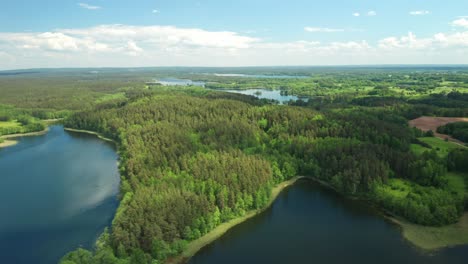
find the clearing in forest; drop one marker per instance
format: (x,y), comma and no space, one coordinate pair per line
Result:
(426,123)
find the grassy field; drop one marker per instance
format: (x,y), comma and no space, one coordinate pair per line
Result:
(441,146)
(9,124)
(457,182)
(418,149)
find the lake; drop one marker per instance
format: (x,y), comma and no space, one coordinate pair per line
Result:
(267,94)
(179,82)
(259,76)
(259,93)
(58,191)
(310,224)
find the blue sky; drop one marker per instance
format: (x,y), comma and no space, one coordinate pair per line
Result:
(53,33)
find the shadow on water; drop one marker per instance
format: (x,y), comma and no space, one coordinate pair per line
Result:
(311,224)
(58,192)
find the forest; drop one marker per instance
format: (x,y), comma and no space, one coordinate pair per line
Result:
(192,158)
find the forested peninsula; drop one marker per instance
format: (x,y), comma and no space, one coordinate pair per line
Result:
(193,159)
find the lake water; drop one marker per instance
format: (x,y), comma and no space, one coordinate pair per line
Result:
(259,76)
(309,224)
(58,191)
(179,82)
(267,94)
(259,93)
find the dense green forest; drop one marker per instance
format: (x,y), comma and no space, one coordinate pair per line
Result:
(458,130)
(192,158)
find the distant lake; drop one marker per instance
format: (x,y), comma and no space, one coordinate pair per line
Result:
(310,224)
(179,82)
(267,94)
(259,76)
(259,93)
(58,192)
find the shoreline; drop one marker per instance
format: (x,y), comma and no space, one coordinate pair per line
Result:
(433,238)
(89,132)
(29,134)
(196,245)
(425,238)
(10,142)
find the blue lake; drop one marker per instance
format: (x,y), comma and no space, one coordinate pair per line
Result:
(310,224)
(58,192)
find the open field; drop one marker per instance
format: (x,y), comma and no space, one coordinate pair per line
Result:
(9,124)
(442,147)
(426,123)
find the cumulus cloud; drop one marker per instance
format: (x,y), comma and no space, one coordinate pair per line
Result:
(126,45)
(356,14)
(155,11)
(324,30)
(371,13)
(130,40)
(436,42)
(419,12)
(88,6)
(462,22)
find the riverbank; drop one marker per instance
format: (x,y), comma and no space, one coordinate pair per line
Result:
(90,133)
(8,138)
(194,246)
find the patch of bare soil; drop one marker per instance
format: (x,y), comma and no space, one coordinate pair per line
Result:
(426,123)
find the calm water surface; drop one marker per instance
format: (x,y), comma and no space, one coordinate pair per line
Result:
(179,82)
(259,93)
(308,224)
(57,192)
(260,76)
(267,94)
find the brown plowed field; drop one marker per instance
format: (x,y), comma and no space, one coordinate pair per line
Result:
(426,123)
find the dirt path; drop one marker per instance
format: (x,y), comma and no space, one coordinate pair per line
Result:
(426,123)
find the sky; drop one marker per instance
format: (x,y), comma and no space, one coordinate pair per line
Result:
(140,33)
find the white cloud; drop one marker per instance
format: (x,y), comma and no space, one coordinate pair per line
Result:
(324,30)
(131,46)
(462,22)
(409,41)
(436,42)
(155,11)
(419,12)
(121,38)
(371,13)
(356,14)
(88,6)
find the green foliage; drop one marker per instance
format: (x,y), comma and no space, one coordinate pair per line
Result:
(192,158)
(458,130)
(422,205)
(458,160)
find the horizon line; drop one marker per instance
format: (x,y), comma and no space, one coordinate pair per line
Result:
(237,67)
